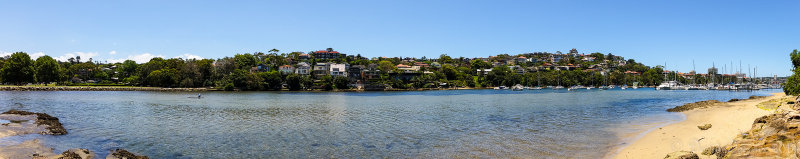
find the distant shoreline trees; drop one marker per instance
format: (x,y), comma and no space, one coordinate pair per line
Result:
(260,71)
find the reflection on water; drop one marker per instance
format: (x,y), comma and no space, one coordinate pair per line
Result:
(463,123)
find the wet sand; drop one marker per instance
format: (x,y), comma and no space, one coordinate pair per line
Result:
(727,119)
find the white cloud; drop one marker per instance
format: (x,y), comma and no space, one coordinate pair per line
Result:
(112,52)
(189,56)
(85,56)
(140,58)
(4,54)
(34,56)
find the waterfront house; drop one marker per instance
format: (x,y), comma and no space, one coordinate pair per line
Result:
(337,70)
(321,69)
(286,69)
(303,68)
(356,73)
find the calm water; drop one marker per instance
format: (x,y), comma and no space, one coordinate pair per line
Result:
(462,123)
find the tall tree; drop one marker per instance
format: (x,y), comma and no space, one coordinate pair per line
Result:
(18,69)
(47,69)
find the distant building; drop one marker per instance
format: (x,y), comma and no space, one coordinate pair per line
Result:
(303,68)
(337,70)
(321,69)
(712,71)
(286,69)
(327,54)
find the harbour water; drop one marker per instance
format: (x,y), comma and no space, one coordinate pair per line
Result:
(415,124)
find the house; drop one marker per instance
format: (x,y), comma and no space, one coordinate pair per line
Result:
(356,73)
(327,54)
(421,64)
(303,68)
(304,57)
(262,68)
(286,69)
(522,59)
(483,71)
(337,70)
(321,69)
(436,65)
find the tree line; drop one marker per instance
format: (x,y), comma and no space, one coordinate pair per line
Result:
(236,73)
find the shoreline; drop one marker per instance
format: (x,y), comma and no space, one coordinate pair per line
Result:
(136,88)
(727,119)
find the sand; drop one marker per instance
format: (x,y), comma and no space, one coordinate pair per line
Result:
(727,120)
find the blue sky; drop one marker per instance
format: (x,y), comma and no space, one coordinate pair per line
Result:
(759,33)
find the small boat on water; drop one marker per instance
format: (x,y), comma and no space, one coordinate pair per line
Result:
(558,87)
(501,87)
(671,85)
(623,87)
(517,87)
(536,88)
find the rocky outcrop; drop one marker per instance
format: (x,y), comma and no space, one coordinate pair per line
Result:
(124,154)
(771,136)
(682,155)
(51,124)
(695,105)
(23,122)
(77,154)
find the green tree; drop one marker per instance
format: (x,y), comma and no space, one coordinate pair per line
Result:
(385,66)
(18,69)
(294,82)
(163,77)
(47,69)
(792,86)
(272,80)
(340,82)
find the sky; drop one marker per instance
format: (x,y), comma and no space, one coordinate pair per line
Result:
(758,33)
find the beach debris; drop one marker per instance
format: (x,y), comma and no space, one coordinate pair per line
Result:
(53,126)
(682,155)
(77,153)
(690,106)
(704,127)
(124,154)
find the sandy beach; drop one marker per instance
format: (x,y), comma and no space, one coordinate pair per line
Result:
(727,119)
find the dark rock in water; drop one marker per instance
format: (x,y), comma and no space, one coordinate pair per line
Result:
(682,155)
(690,106)
(124,154)
(733,100)
(704,127)
(77,154)
(53,125)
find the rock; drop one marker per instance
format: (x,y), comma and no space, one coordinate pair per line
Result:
(54,127)
(682,155)
(719,151)
(124,154)
(734,100)
(690,106)
(77,154)
(704,127)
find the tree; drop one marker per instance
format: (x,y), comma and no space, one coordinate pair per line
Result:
(18,69)
(340,82)
(385,66)
(792,86)
(445,59)
(294,82)
(163,77)
(47,69)
(272,80)
(245,61)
